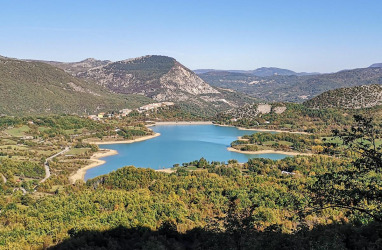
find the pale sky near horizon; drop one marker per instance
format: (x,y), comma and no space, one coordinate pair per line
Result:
(301,35)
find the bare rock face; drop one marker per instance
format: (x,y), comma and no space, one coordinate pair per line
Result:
(159,77)
(180,84)
(251,111)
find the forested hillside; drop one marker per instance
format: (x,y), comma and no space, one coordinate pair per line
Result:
(298,202)
(351,98)
(254,205)
(38,88)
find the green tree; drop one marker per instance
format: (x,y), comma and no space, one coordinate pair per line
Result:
(356,186)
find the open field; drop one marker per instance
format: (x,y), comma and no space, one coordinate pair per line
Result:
(17,131)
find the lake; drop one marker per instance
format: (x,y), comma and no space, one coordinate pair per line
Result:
(177,144)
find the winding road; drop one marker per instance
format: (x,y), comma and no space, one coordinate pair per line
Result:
(46,163)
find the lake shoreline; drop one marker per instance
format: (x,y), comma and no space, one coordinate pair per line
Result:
(267,151)
(143,138)
(264,129)
(96,161)
(95,158)
(181,123)
(80,173)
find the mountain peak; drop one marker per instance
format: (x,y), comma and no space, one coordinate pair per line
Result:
(90,59)
(149,58)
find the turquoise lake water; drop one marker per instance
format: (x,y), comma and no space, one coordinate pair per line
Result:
(177,144)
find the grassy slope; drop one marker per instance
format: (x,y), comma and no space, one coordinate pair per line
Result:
(35,87)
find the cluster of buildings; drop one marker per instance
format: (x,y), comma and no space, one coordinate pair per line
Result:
(124,112)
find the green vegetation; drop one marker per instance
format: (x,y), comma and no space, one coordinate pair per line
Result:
(39,88)
(26,142)
(144,68)
(358,186)
(296,117)
(17,131)
(280,141)
(356,97)
(244,203)
(304,202)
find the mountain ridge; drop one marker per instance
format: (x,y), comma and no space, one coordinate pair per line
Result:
(261,72)
(161,78)
(292,88)
(364,96)
(32,87)
(139,80)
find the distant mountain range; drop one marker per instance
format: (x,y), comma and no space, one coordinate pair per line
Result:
(90,86)
(364,96)
(376,65)
(262,72)
(291,88)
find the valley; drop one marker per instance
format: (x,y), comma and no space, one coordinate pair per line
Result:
(146,145)
(190,125)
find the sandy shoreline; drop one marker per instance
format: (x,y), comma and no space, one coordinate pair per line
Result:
(181,123)
(273,130)
(80,174)
(147,137)
(268,151)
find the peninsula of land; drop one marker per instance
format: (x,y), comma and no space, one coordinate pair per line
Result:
(95,158)
(267,151)
(95,161)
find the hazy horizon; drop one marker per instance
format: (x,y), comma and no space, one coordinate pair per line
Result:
(325,36)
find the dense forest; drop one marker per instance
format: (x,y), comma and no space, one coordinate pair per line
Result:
(322,201)
(279,141)
(27,142)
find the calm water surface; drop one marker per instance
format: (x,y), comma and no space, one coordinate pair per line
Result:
(176,144)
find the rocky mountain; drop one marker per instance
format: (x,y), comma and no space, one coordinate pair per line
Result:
(292,88)
(364,96)
(31,87)
(161,78)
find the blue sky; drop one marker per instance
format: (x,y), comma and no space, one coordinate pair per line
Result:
(302,35)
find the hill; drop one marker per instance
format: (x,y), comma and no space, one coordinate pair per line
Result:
(364,96)
(262,72)
(161,78)
(294,117)
(292,88)
(31,87)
